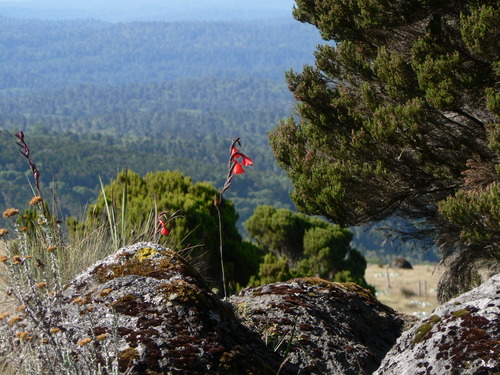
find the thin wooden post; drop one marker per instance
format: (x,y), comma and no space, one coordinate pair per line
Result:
(388,277)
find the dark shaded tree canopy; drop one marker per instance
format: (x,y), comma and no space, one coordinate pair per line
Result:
(136,201)
(296,245)
(400,118)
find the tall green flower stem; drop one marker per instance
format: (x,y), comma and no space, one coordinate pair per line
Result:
(235,167)
(217,201)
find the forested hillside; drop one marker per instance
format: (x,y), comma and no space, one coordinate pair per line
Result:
(94,98)
(48,54)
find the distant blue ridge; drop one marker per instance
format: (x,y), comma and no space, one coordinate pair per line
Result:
(148,10)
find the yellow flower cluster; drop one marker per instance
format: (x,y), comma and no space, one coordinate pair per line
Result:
(78,300)
(10,212)
(35,200)
(84,341)
(23,336)
(14,320)
(3,316)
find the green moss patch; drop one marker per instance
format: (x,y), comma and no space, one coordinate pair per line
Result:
(423,330)
(461,312)
(182,291)
(143,265)
(126,358)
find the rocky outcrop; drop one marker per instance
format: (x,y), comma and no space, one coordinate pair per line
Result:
(462,336)
(164,319)
(142,310)
(320,326)
(401,262)
(145,310)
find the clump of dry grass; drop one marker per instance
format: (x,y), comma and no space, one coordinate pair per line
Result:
(37,258)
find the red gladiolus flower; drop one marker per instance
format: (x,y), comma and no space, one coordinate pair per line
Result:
(235,166)
(238,169)
(164,231)
(246,161)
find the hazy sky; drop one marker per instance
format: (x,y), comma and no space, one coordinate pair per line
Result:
(128,10)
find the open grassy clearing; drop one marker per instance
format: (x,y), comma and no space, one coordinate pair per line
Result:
(412,291)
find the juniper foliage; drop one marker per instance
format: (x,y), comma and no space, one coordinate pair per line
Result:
(399,118)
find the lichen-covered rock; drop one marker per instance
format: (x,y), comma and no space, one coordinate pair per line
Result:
(145,310)
(322,327)
(166,319)
(462,336)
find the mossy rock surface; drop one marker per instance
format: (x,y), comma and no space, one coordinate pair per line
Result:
(152,305)
(461,337)
(323,327)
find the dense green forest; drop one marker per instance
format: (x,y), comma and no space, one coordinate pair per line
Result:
(94,98)
(49,54)
(193,107)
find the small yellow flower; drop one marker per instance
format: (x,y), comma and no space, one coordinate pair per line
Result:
(3,316)
(41,284)
(78,300)
(105,292)
(14,320)
(23,336)
(87,310)
(84,341)
(51,248)
(10,212)
(35,200)
(101,337)
(16,259)
(3,232)
(3,258)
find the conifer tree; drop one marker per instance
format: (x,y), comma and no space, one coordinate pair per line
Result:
(195,226)
(296,245)
(399,118)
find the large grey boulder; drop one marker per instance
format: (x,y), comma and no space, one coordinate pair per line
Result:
(462,336)
(142,310)
(322,327)
(145,310)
